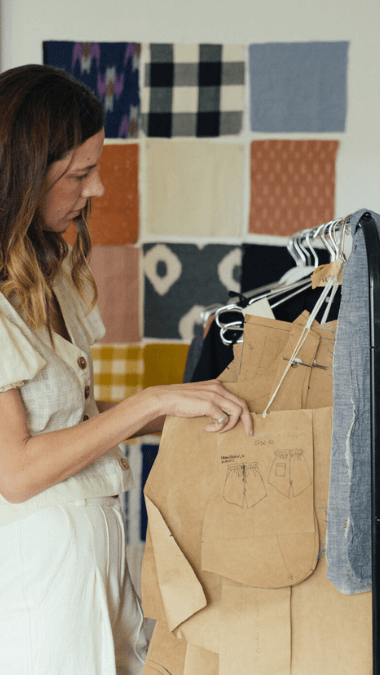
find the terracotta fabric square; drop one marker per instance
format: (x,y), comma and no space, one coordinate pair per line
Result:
(164,364)
(116,272)
(292,185)
(115,216)
(180,281)
(194,188)
(111,70)
(118,371)
(298,86)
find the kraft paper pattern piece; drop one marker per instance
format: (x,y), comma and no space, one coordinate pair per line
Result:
(118,371)
(298,86)
(261,508)
(164,364)
(115,216)
(116,272)
(183,279)
(194,188)
(111,70)
(193,90)
(181,592)
(292,183)
(255,636)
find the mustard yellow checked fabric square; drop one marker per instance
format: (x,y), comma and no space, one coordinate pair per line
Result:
(118,371)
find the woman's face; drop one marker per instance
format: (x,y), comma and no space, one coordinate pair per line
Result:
(79,181)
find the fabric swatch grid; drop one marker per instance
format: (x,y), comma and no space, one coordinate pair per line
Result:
(194,188)
(182,279)
(292,185)
(298,86)
(115,216)
(193,90)
(116,272)
(111,70)
(118,371)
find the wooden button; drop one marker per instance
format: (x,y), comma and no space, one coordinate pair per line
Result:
(82,363)
(87,391)
(85,418)
(124,464)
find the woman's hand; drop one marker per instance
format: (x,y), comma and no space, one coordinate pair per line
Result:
(203,399)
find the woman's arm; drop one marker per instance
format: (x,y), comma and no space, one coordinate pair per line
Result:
(31,464)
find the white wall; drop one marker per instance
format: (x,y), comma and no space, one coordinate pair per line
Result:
(26,23)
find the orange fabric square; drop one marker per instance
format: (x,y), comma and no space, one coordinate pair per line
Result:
(292,185)
(115,216)
(164,364)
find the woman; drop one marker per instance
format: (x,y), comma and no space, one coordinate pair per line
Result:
(66,601)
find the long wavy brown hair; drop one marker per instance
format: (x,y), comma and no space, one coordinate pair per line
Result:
(44,114)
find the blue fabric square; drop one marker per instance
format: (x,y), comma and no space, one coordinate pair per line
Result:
(111,70)
(298,87)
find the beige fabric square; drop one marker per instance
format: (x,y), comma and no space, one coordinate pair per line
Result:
(232,98)
(185,99)
(194,188)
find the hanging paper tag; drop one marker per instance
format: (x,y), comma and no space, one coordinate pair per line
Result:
(322,274)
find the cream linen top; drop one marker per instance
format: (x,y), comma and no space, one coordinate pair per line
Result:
(57,391)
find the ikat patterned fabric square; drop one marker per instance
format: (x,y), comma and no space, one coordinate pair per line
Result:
(193,90)
(180,281)
(298,86)
(118,371)
(111,70)
(292,185)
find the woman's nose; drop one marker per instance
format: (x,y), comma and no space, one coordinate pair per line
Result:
(94,186)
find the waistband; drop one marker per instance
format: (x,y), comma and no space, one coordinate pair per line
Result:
(97,501)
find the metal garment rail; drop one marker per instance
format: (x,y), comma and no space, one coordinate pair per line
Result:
(372,241)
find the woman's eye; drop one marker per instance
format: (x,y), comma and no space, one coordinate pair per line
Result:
(81,177)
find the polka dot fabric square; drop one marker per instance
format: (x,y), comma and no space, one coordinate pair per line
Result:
(292,185)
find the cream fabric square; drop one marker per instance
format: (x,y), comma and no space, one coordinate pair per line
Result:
(186,53)
(194,188)
(185,99)
(232,98)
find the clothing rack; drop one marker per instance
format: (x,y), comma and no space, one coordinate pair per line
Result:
(372,241)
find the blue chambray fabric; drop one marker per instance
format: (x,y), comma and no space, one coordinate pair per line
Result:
(348,545)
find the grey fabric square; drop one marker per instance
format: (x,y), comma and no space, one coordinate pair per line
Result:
(184,124)
(298,87)
(209,99)
(230,123)
(185,74)
(161,100)
(233,73)
(161,53)
(210,53)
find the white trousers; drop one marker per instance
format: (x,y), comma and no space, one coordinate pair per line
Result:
(67,604)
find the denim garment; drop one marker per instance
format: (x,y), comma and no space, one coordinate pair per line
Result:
(349,513)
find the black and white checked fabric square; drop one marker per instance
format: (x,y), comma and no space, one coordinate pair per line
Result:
(193,90)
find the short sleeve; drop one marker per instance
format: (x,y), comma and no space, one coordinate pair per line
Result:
(19,361)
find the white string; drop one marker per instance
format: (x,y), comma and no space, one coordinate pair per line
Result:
(302,339)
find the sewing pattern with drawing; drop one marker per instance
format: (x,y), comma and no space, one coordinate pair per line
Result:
(290,473)
(244,485)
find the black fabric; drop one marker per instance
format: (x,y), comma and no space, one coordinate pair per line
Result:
(214,358)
